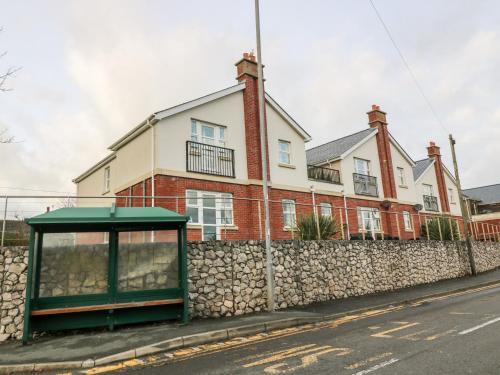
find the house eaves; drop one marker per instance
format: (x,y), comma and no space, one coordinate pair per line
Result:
(359,144)
(285,116)
(94,168)
(401,150)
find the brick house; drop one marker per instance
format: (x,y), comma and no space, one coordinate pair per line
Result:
(483,204)
(205,159)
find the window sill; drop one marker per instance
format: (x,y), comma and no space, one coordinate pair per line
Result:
(222,227)
(283,165)
(194,226)
(229,227)
(403,186)
(290,229)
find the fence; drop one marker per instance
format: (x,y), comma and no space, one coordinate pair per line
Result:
(223,216)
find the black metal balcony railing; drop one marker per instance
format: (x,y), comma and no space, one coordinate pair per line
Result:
(430,203)
(209,159)
(328,175)
(365,185)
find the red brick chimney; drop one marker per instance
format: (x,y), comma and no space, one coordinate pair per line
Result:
(246,69)
(377,119)
(434,152)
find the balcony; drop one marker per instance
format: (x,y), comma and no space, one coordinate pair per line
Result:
(328,175)
(365,185)
(209,159)
(430,203)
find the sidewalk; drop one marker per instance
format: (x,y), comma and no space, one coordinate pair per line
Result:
(92,347)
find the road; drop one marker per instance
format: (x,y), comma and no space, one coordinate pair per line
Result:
(453,334)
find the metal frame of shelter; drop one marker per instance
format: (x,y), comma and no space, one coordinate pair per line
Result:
(114,307)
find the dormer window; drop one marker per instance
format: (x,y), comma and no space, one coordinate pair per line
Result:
(207,133)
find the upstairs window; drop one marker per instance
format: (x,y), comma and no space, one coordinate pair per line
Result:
(284,152)
(211,134)
(451,196)
(107,179)
(401,177)
(362,166)
(428,190)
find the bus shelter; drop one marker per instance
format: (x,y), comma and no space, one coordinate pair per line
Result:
(105,266)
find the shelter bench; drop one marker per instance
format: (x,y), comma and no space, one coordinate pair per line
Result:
(111,306)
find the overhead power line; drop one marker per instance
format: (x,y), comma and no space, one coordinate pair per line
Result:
(408,67)
(39,190)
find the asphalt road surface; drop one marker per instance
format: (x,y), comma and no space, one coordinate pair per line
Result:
(454,334)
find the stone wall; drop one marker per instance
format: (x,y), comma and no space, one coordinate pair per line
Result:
(228,277)
(13,265)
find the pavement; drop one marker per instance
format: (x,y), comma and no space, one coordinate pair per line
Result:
(98,348)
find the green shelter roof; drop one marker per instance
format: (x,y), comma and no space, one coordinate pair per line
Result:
(91,215)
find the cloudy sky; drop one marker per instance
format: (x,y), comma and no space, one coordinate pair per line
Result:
(92,70)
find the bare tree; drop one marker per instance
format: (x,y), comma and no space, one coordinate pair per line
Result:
(4,137)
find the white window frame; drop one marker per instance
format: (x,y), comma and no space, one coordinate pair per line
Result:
(287,153)
(428,188)
(451,196)
(107,179)
(407,220)
(325,209)
(370,216)
(401,177)
(224,208)
(219,138)
(365,171)
(289,210)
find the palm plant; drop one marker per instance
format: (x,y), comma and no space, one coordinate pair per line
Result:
(440,228)
(307,228)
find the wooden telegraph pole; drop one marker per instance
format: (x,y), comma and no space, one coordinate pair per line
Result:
(465,213)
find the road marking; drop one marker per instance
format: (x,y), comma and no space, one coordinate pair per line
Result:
(294,352)
(354,366)
(411,336)
(376,367)
(464,332)
(307,360)
(385,333)
(437,335)
(460,313)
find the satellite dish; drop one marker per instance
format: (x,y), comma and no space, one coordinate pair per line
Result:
(418,207)
(386,204)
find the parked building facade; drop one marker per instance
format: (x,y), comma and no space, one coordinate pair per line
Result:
(203,158)
(483,204)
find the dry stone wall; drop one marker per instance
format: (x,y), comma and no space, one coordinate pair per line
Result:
(228,278)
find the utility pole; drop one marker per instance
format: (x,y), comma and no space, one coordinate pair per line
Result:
(465,214)
(263,151)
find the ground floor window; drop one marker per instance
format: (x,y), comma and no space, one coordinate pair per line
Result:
(212,210)
(407,220)
(368,219)
(325,209)
(289,215)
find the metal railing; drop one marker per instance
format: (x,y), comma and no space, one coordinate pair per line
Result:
(430,203)
(322,174)
(404,225)
(209,159)
(365,185)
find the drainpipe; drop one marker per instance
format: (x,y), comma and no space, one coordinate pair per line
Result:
(152,162)
(346,215)
(316,218)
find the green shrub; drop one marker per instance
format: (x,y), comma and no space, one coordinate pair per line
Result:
(306,226)
(446,230)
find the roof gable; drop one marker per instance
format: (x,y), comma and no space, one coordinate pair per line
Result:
(338,148)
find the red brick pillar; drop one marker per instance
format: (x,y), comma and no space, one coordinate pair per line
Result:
(433,151)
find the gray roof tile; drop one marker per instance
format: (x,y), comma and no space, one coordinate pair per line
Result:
(420,167)
(486,194)
(334,149)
